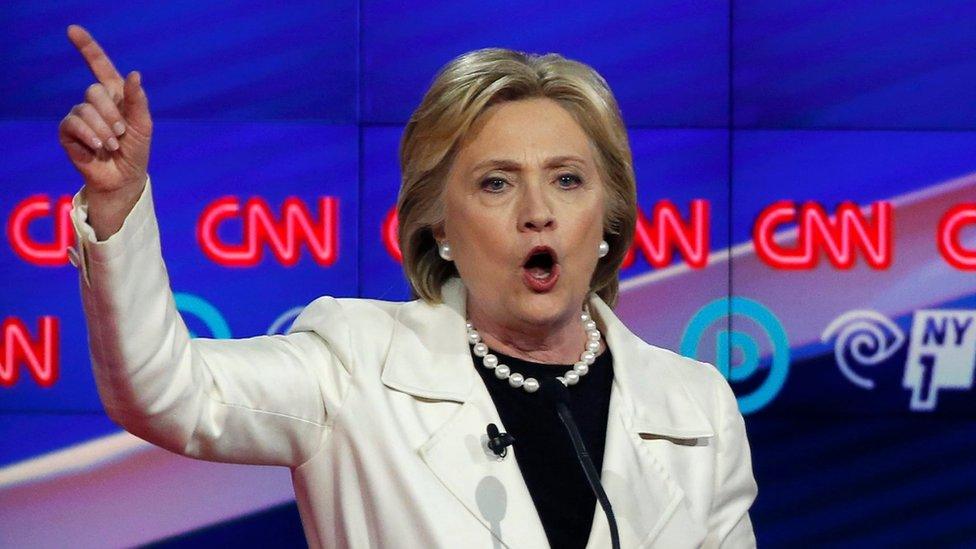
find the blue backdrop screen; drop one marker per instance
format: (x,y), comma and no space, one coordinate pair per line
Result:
(808,163)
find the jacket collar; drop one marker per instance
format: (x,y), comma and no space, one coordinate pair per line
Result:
(427,359)
(653,400)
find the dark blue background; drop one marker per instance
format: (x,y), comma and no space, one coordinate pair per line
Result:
(741,103)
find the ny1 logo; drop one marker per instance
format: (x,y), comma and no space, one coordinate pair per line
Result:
(768,379)
(941,352)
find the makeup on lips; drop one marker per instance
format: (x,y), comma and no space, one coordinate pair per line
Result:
(540,270)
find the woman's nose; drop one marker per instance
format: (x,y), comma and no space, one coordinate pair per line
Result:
(536,215)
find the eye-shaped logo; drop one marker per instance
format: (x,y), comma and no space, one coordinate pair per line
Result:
(868,337)
(213,321)
(941,350)
(727,340)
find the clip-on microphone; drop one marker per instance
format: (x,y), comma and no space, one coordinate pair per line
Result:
(499,442)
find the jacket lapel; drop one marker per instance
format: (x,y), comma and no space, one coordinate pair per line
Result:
(491,488)
(429,358)
(647,401)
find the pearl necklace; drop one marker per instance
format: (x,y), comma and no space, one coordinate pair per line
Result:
(531,385)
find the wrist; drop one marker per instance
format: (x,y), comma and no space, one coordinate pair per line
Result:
(107,210)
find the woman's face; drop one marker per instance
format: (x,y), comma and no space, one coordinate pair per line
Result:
(524,208)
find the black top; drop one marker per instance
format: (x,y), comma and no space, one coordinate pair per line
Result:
(544,451)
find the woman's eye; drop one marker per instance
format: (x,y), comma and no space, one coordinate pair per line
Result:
(568,181)
(494,185)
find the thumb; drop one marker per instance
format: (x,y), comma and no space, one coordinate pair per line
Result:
(136,104)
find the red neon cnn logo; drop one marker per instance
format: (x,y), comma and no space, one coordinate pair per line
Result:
(41,354)
(839,236)
(45,254)
(657,239)
(666,231)
(951,224)
(390,234)
(284,235)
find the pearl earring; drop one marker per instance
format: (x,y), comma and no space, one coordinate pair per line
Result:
(604,248)
(444,249)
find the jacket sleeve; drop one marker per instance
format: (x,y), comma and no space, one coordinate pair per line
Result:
(728,523)
(261,400)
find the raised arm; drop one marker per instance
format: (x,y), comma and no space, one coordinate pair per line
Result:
(107,137)
(262,400)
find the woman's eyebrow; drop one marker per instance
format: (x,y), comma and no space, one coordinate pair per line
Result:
(497,163)
(513,166)
(558,161)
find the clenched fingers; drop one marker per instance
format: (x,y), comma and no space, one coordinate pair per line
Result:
(93,120)
(97,96)
(74,130)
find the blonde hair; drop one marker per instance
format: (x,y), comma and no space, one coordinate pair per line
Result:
(461,91)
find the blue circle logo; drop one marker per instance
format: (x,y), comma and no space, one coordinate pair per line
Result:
(283,323)
(727,340)
(205,311)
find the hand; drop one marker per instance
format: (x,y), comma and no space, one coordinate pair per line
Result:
(107,136)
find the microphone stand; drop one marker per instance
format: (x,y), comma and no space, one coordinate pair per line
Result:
(557,393)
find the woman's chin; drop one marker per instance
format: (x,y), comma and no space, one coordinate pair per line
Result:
(542,308)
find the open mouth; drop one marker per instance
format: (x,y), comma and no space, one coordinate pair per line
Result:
(541,268)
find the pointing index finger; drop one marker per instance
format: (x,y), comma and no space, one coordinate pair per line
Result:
(99,63)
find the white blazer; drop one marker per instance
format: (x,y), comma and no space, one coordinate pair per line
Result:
(379,413)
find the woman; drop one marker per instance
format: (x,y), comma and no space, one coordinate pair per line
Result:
(516,208)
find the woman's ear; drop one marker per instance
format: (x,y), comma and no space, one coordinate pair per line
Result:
(438,231)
